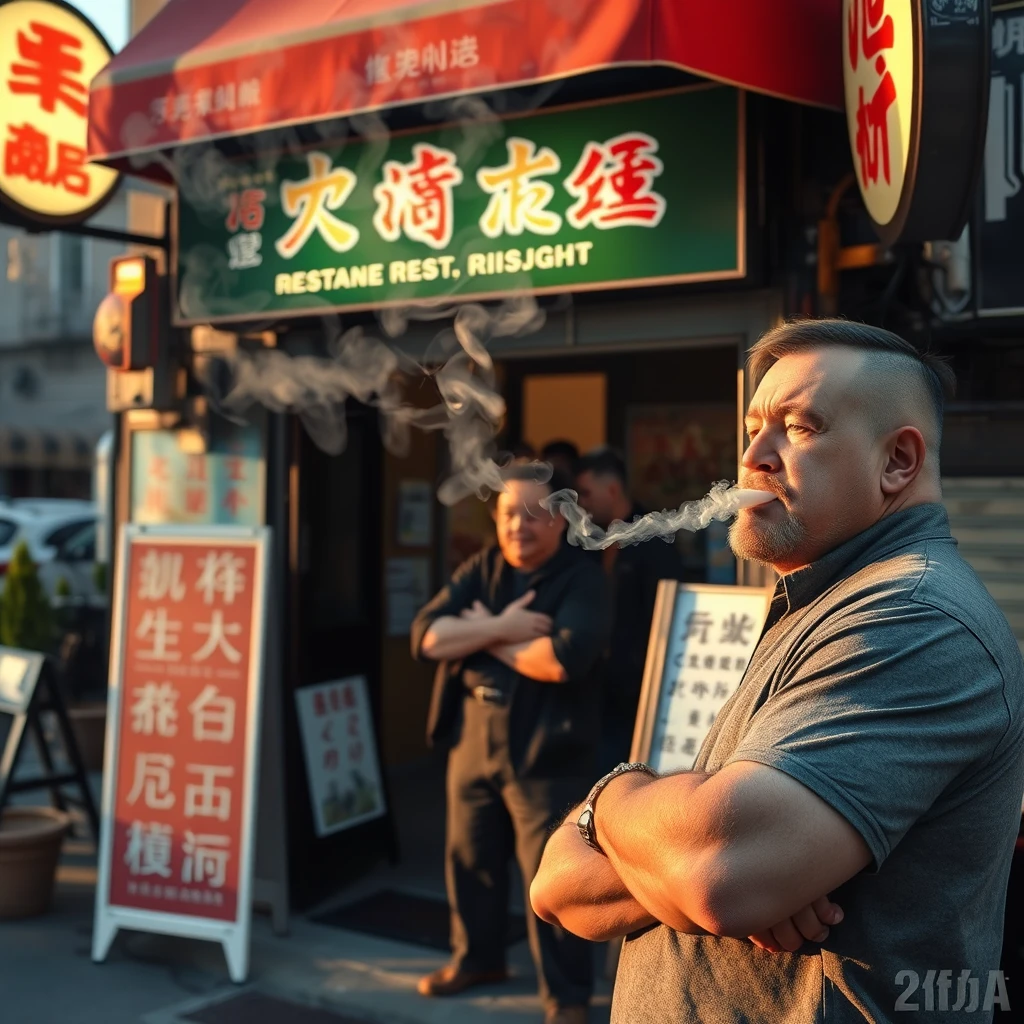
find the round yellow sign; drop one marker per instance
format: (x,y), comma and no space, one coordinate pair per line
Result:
(879,54)
(48,56)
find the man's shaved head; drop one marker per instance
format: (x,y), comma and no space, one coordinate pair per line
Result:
(895,383)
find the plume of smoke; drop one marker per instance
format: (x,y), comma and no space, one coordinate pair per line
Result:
(721,503)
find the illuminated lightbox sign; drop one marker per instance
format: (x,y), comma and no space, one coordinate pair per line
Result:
(916,78)
(48,55)
(646,191)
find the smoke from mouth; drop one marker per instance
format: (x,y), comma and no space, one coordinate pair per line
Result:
(721,503)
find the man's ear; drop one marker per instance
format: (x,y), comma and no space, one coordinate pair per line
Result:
(905,455)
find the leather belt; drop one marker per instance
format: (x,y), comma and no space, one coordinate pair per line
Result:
(488,695)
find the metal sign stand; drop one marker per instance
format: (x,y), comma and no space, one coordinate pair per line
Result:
(28,689)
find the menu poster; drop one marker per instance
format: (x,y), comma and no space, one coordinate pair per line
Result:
(345,785)
(702,639)
(180,772)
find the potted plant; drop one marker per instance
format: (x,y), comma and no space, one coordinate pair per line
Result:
(30,837)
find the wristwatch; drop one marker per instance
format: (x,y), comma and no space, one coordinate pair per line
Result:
(585,822)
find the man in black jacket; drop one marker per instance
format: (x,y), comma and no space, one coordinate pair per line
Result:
(519,630)
(633,575)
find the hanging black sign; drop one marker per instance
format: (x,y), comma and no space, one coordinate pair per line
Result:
(916,74)
(1001,209)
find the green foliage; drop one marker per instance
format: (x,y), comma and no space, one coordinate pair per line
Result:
(99,577)
(26,619)
(62,588)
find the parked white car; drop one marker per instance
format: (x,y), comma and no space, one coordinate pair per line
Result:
(75,563)
(46,524)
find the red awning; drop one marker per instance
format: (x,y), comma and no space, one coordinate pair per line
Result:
(202,69)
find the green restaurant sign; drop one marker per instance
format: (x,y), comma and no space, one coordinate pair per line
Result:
(644,191)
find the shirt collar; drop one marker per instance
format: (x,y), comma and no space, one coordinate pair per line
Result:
(908,526)
(555,564)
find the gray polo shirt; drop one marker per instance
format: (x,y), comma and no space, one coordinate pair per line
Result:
(888,682)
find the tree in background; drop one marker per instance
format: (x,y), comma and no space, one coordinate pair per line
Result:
(26,619)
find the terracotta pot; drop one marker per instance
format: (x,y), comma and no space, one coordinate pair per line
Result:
(30,841)
(89,724)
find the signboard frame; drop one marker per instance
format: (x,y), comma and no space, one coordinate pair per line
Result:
(738,272)
(654,678)
(233,935)
(15,213)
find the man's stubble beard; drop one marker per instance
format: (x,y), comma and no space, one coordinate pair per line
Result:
(765,542)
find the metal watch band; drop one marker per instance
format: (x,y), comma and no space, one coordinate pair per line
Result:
(585,822)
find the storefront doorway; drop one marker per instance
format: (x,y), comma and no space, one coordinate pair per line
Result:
(334,632)
(671,414)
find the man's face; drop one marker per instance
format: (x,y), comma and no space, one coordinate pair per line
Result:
(528,535)
(598,494)
(813,443)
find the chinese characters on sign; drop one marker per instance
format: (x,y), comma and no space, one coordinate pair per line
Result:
(222,486)
(180,790)
(713,633)
(341,756)
(48,55)
(183,107)
(998,242)
(562,200)
(430,59)
(613,185)
(878,66)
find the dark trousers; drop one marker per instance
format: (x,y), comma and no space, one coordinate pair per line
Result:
(491,815)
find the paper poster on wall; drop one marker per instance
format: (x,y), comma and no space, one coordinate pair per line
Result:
(222,486)
(673,451)
(702,638)
(407,586)
(342,769)
(415,513)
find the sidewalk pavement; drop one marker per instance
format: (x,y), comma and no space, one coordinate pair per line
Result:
(47,976)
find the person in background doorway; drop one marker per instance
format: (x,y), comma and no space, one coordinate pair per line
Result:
(519,631)
(562,455)
(633,574)
(522,450)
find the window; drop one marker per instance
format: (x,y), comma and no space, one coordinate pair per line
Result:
(72,265)
(7,531)
(81,546)
(64,533)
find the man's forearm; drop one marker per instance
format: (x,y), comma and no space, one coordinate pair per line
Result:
(449,637)
(534,659)
(635,830)
(578,889)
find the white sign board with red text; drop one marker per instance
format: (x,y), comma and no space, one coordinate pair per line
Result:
(176,849)
(49,53)
(345,785)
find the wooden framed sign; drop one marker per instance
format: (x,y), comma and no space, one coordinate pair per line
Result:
(702,637)
(179,783)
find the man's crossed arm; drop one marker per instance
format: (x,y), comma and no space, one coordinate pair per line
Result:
(517,636)
(746,852)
